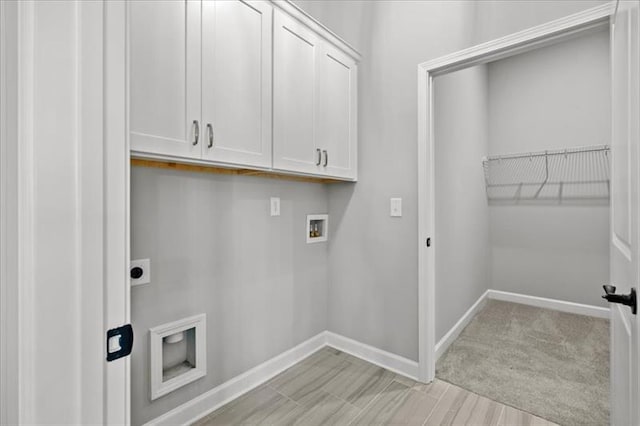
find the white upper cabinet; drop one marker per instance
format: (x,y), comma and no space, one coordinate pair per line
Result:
(315,103)
(247,84)
(164,78)
(295,58)
(236,82)
(336,130)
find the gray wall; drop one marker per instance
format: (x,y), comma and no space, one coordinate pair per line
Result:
(462,215)
(373,258)
(551,98)
(349,19)
(215,249)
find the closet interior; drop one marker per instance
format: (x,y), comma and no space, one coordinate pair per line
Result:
(522,170)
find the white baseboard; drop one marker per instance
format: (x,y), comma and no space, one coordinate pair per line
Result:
(444,343)
(210,401)
(230,390)
(215,398)
(376,356)
(543,302)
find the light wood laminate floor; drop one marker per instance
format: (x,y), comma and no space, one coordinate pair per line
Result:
(334,388)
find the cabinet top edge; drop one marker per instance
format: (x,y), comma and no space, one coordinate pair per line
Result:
(295,11)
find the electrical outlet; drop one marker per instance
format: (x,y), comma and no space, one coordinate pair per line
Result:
(140,272)
(396,207)
(275,206)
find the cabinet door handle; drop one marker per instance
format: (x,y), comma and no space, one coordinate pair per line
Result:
(326,157)
(196,132)
(319,156)
(210,132)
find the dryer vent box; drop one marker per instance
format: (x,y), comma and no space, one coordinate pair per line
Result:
(178,354)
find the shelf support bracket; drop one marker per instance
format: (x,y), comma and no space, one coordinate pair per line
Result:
(546,171)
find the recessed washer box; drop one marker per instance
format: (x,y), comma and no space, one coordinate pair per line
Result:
(317,228)
(178,354)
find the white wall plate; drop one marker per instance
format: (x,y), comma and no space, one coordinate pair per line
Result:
(145,265)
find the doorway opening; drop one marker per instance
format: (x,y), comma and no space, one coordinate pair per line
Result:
(514,193)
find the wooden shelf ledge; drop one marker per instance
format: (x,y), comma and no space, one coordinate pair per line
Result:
(200,168)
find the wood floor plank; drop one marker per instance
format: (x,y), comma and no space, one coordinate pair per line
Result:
(201,422)
(478,410)
(397,405)
(512,416)
(359,383)
(460,407)
(322,408)
(260,406)
(334,388)
(435,389)
(407,381)
(304,379)
(326,356)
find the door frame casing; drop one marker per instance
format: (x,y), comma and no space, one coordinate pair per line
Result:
(89,292)
(116,209)
(556,31)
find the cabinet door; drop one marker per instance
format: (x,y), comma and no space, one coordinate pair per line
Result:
(164,79)
(296,50)
(236,80)
(336,130)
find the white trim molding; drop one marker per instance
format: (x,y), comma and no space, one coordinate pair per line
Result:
(117,377)
(553,32)
(451,335)
(522,41)
(56,106)
(556,305)
(210,401)
(384,359)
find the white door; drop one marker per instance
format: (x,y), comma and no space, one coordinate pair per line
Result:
(295,54)
(236,82)
(625,211)
(164,80)
(336,128)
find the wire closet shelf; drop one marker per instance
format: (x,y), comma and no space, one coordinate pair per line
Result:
(559,175)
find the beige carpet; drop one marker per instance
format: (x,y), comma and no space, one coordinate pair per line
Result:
(552,364)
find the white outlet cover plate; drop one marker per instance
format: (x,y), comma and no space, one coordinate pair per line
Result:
(275,206)
(396,207)
(145,264)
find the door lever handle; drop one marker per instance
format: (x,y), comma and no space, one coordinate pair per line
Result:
(624,299)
